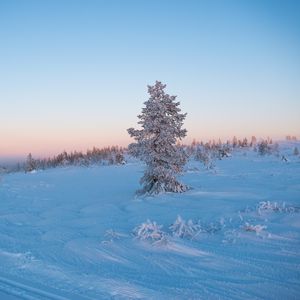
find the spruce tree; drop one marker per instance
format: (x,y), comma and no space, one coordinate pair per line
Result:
(30,163)
(161,123)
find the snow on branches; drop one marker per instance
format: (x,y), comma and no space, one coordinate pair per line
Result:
(181,228)
(268,206)
(149,231)
(161,123)
(254,228)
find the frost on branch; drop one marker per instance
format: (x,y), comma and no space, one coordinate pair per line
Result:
(255,228)
(161,123)
(183,229)
(269,206)
(149,231)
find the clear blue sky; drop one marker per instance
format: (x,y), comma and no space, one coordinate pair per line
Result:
(73,74)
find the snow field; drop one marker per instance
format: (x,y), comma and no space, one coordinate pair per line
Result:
(81,233)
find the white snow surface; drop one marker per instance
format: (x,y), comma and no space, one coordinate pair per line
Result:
(70,233)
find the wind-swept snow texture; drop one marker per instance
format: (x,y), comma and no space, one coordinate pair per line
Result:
(73,233)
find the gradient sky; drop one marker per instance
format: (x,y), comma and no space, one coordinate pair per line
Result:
(74,74)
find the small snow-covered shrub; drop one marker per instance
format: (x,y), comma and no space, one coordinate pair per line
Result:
(283,158)
(213,227)
(224,152)
(254,228)
(206,158)
(181,228)
(189,229)
(264,148)
(269,206)
(267,147)
(149,231)
(201,156)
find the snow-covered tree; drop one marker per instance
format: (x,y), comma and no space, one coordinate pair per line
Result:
(161,123)
(234,142)
(264,148)
(30,163)
(253,141)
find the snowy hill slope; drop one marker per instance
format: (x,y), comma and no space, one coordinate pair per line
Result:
(68,233)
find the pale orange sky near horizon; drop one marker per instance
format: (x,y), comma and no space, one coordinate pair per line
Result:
(43,143)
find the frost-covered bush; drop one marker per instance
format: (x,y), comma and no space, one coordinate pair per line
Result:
(181,228)
(30,164)
(268,206)
(223,152)
(149,231)
(161,123)
(267,147)
(212,227)
(255,228)
(263,148)
(205,157)
(107,155)
(202,156)
(189,229)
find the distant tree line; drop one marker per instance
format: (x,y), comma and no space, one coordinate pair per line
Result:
(105,156)
(205,152)
(208,152)
(233,143)
(291,138)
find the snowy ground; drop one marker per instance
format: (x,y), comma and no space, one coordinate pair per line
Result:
(67,233)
